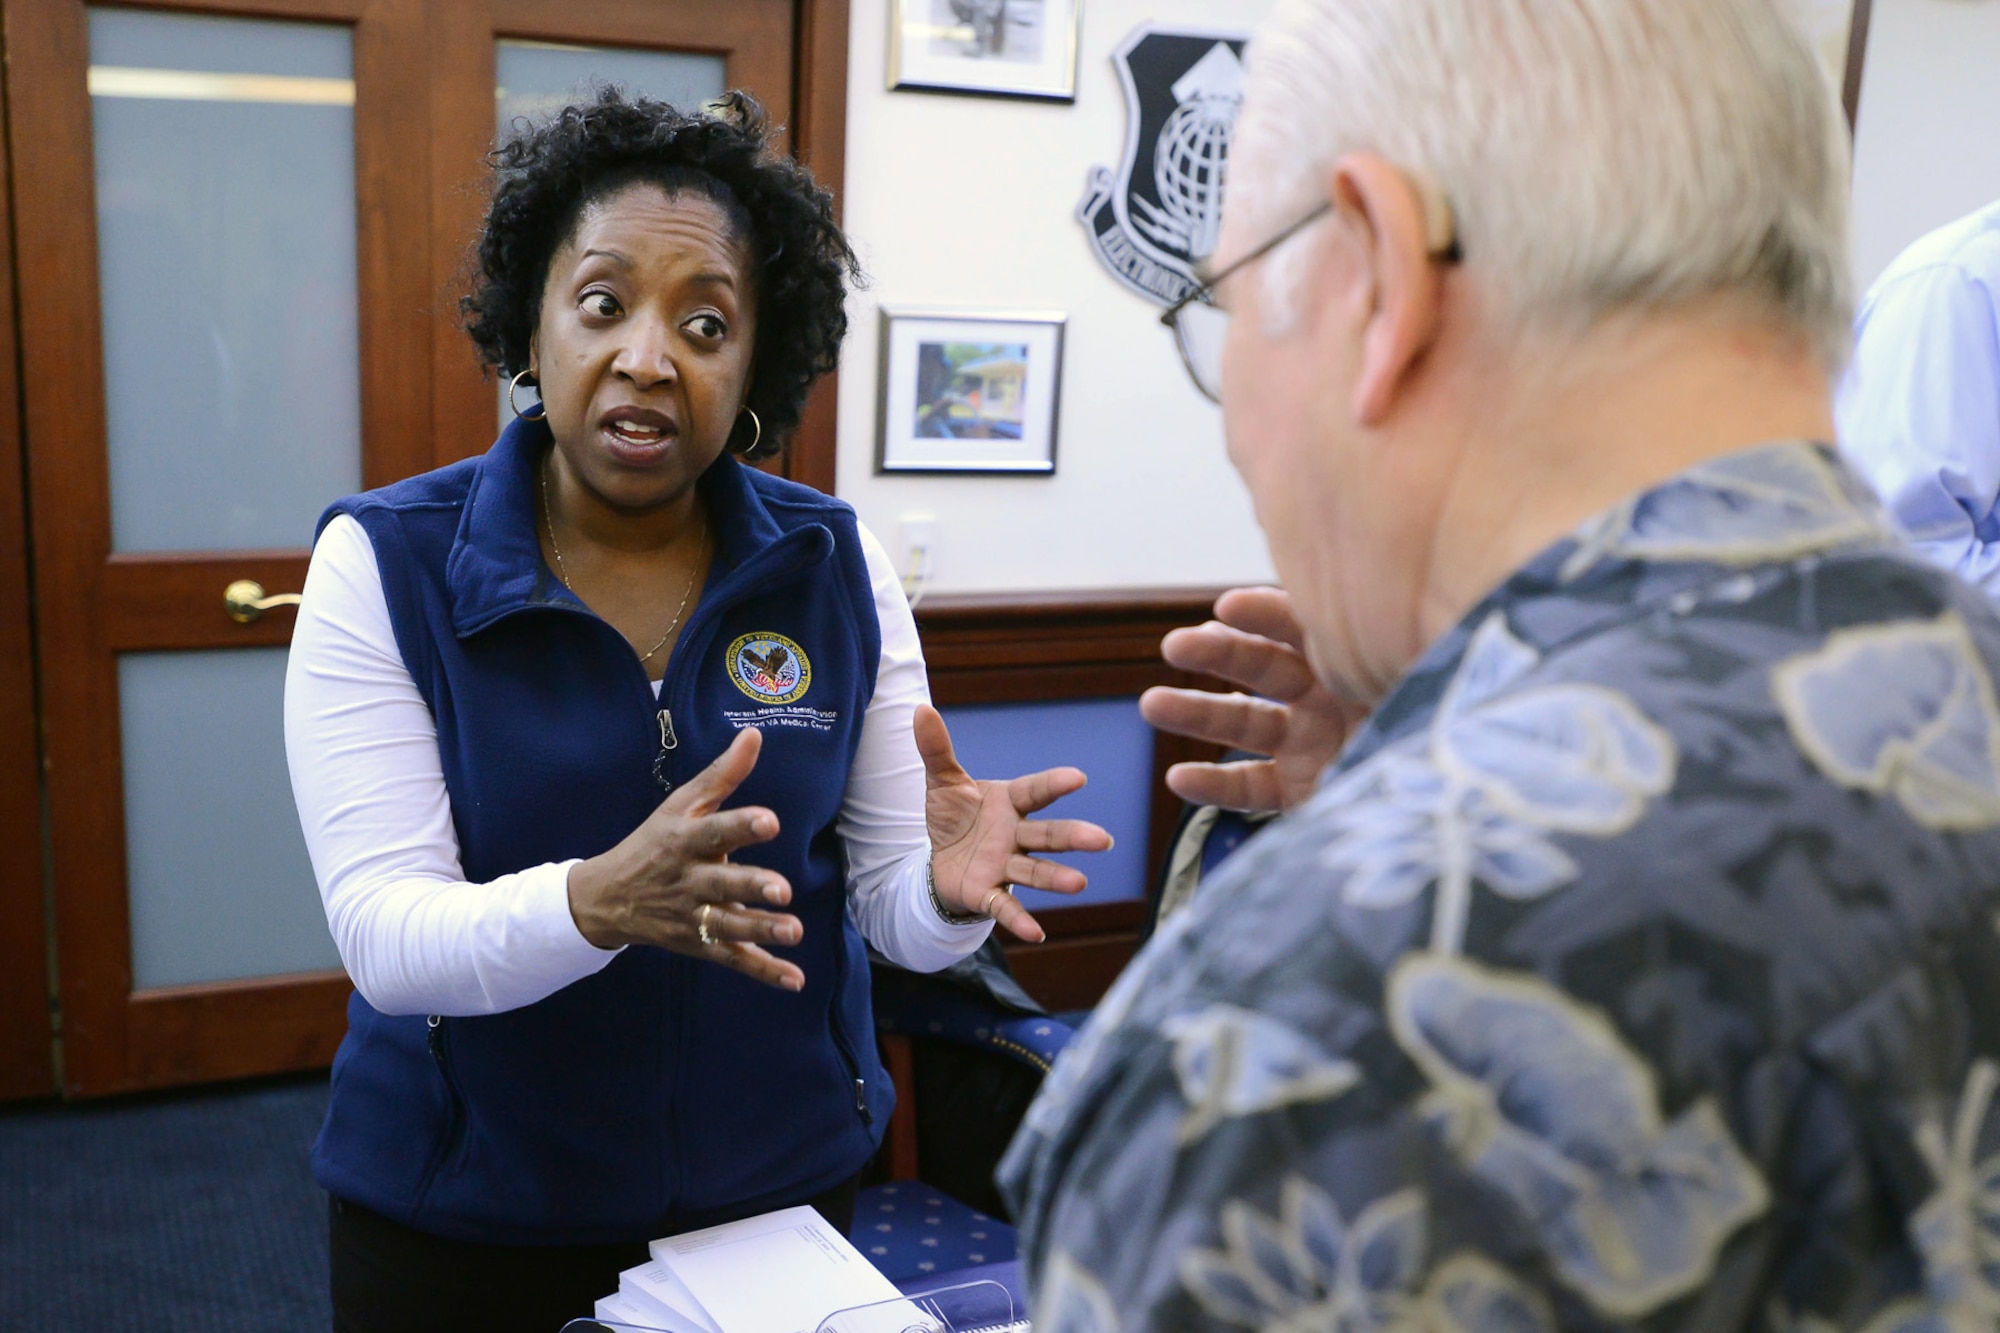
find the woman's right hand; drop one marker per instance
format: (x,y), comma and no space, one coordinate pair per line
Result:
(672,876)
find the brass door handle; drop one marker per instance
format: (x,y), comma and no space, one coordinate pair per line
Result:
(244,600)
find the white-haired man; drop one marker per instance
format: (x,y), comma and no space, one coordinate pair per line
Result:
(1634,965)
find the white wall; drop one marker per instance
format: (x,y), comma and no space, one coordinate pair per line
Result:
(1927,135)
(970,202)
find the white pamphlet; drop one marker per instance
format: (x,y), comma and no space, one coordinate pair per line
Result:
(629,1310)
(780,1273)
(654,1283)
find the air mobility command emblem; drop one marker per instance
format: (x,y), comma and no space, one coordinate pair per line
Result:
(1158,215)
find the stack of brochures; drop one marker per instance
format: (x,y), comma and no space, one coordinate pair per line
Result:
(784,1272)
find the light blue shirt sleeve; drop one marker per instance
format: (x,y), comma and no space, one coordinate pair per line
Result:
(1919,413)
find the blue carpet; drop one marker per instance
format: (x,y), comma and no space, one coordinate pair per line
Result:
(194,1212)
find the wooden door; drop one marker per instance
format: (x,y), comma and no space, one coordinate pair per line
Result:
(26,1069)
(133,622)
(105,606)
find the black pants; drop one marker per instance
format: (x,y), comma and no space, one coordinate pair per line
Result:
(388,1278)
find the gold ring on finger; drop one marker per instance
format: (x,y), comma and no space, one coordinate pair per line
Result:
(708,937)
(992,897)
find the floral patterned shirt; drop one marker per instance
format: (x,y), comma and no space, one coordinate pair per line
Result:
(1635,967)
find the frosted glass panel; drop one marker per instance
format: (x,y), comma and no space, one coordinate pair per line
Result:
(220,883)
(537,79)
(226,260)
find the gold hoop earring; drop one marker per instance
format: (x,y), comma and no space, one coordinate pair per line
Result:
(541,409)
(756,439)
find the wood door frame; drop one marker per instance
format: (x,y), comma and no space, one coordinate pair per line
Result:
(116,1039)
(819,139)
(27,1063)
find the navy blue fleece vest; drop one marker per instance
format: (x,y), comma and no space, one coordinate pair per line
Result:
(663,1092)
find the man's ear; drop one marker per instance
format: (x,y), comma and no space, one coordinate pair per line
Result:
(1384,215)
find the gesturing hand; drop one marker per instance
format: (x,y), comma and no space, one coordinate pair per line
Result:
(980,839)
(670,883)
(1255,641)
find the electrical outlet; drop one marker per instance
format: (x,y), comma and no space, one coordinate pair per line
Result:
(919,547)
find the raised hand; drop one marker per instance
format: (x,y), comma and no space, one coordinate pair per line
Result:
(981,838)
(1254,641)
(671,883)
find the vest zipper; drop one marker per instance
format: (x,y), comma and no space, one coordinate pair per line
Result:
(455,1126)
(843,1046)
(845,1050)
(669,742)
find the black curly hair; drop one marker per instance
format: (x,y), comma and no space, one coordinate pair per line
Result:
(545,177)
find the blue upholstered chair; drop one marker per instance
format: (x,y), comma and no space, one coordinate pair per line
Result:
(966,1049)
(984,1044)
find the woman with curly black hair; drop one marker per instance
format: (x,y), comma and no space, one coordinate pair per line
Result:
(593,1005)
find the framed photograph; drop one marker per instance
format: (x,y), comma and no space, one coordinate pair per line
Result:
(995,48)
(1839,30)
(969,391)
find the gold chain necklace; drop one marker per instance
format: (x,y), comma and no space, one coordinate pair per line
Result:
(549,519)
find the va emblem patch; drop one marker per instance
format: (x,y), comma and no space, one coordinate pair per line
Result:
(770,668)
(1154,221)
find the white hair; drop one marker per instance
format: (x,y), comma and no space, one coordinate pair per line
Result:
(1599,155)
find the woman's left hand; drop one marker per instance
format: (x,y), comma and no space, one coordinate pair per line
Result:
(981,838)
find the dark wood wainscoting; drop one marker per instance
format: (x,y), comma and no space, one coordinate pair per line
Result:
(1050,647)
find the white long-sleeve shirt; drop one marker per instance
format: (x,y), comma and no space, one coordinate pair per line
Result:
(416,937)
(1919,408)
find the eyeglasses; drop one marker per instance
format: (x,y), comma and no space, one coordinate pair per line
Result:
(1200,325)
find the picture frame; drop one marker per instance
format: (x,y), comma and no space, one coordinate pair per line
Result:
(1839,33)
(985,48)
(969,391)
